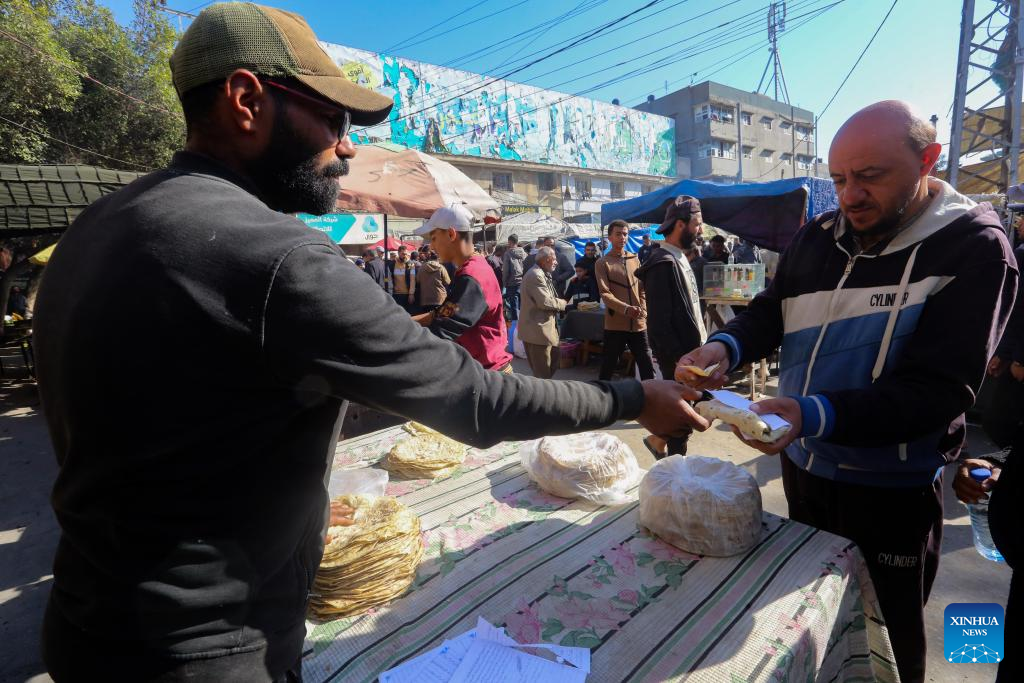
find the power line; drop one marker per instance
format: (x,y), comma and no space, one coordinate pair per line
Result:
(862,53)
(444,21)
(593,33)
(585,33)
(573,12)
(810,16)
(507,42)
(465,24)
(86,76)
(65,142)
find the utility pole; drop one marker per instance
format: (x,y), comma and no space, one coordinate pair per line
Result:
(739,143)
(776,25)
(175,13)
(990,54)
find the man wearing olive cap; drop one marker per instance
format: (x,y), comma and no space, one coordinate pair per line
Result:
(194,436)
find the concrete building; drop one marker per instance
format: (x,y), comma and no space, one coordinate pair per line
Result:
(725,135)
(532,149)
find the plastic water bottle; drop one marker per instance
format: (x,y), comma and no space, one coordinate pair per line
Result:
(979,521)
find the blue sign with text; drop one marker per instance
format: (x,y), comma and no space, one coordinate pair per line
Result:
(973,633)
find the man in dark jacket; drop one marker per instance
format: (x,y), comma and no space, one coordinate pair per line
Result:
(191,491)
(887,312)
(674,322)
(375,268)
(512,269)
(644,252)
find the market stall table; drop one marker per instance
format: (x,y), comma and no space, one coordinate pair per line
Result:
(798,606)
(713,318)
(587,326)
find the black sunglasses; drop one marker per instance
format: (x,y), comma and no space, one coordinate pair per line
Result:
(344,124)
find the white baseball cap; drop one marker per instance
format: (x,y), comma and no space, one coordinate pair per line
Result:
(456,216)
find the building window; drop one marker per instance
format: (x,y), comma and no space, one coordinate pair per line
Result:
(786,158)
(618,191)
(766,122)
(786,127)
(583,188)
(803,162)
(713,112)
(747,118)
(546,182)
(502,181)
(646,189)
(767,155)
(717,148)
(748,152)
(805,134)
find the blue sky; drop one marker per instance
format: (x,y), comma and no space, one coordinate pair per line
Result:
(913,57)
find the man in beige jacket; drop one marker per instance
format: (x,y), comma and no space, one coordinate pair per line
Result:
(625,316)
(538,318)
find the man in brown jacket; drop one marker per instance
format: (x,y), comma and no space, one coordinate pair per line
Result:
(538,318)
(625,316)
(432,281)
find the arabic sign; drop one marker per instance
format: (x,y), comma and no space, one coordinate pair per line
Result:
(347,228)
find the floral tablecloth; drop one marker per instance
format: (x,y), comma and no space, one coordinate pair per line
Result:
(799,606)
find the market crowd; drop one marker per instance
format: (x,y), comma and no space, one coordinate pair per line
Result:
(191,493)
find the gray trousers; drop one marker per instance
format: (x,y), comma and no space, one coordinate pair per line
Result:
(543,359)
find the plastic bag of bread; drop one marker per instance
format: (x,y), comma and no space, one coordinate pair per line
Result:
(370,562)
(594,466)
(701,505)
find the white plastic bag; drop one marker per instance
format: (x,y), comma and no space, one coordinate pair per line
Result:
(702,505)
(364,481)
(591,465)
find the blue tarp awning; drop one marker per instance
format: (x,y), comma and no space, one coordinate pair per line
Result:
(767,214)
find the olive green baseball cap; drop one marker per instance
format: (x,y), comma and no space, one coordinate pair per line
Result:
(269,42)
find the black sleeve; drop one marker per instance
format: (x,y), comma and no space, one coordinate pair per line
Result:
(461,310)
(363,347)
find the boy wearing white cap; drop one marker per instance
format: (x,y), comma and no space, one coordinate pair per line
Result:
(471,316)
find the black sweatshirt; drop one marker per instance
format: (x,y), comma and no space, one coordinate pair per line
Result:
(195,352)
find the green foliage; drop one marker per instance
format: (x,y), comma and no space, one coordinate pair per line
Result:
(141,124)
(31,86)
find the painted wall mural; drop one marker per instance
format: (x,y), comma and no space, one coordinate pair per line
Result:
(434,112)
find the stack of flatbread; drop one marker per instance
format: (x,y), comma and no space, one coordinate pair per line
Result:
(369,563)
(427,455)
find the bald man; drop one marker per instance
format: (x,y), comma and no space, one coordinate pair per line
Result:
(887,312)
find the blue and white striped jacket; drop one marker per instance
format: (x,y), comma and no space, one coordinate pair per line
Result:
(884,349)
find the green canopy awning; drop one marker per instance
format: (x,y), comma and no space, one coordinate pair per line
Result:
(37,200)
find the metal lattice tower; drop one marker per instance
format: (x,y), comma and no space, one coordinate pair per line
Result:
(990,56)
(776,25)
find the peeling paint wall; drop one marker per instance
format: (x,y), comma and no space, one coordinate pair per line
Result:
(435,112)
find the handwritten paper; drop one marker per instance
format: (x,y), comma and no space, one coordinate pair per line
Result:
(487,662)
(492,656)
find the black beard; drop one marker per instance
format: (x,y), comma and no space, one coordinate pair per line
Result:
(686,240)
(890,222)
(288,176)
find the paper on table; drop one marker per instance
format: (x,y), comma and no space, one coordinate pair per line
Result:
(736,401)
(487,662)
(442,665)
(408,671)
(577,656)
(435,666)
